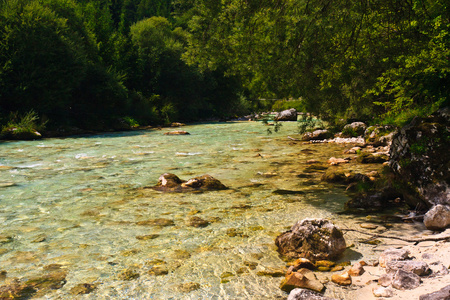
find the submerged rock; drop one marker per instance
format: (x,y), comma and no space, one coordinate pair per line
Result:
(82,289)
(128,274)
(156,222)
(16,290)
(315,239)
(188,287)
(197,222)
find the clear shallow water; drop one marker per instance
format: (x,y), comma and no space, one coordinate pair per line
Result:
(77,201)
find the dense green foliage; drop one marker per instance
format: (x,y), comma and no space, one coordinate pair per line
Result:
(346,59)
(100,64)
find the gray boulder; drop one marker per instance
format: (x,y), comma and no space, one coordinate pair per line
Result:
(404,280)
(314,239)
(379,135)
(392,254)
(305,294)
(354,129)
(320,134)
(287,115)
(438,217)
(442,294)
(417,267)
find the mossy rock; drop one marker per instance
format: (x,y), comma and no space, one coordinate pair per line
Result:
(197,222)
(334,176)
(188,287)
(158,271)
(367,158)
(156,222)
(82,289)
(128,274)
(315,168)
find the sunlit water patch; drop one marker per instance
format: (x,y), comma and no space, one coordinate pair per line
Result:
(81,203)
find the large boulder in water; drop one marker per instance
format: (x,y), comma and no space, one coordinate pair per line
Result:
(319,134)
(169,182)
(420,160)
(287,115)
(314,239)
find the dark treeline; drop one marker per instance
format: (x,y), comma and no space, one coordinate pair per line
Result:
(92,63)
(96,63)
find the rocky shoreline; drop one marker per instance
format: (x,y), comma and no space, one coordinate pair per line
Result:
(403,270)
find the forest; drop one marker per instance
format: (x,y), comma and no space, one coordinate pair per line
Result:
(103,64)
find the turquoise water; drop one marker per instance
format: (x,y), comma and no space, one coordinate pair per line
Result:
(77,202)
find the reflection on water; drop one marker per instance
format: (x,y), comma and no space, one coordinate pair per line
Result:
(80,203)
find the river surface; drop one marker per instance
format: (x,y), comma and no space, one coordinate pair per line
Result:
(78,203)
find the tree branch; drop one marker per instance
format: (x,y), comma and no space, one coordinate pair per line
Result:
(410,240)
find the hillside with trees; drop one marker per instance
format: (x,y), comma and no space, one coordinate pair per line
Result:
(115,63)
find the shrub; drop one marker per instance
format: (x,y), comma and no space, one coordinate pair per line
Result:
(22,127)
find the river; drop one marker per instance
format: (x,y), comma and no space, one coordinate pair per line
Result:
(76,203)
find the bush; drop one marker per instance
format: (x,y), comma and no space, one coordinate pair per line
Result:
(22,127)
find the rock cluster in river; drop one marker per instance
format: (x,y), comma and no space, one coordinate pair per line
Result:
(169,182)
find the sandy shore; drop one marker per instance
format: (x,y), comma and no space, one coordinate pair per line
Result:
(435,254)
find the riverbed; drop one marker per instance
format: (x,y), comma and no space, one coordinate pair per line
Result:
(81,203)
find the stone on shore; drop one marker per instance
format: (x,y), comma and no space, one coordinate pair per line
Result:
(356,270)
(442,294)
(379,135)
(354,129)
(392,254)
(305,294)
(438,217)
(315,239)
(342,279)
(301,263)
(417,267)
(384,292)
(303,278)
(404,280)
